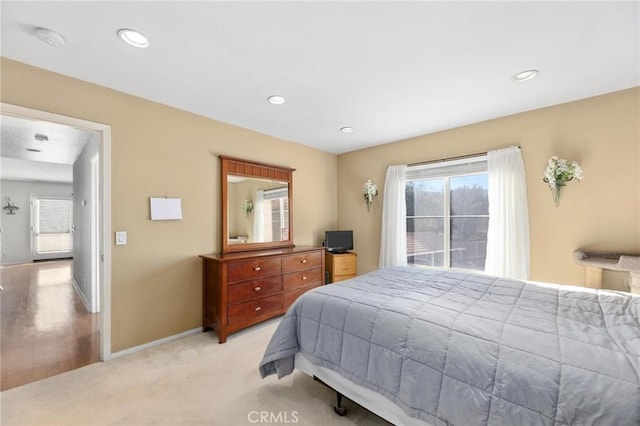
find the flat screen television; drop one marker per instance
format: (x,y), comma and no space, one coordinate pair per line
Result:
(338,241)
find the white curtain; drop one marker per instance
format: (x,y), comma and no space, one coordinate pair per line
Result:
(393,238)
(508,233)
(258,217)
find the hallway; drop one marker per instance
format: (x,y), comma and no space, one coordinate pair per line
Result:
(45,328)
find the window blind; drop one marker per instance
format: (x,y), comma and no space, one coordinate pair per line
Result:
(272,194)
(53,225)
(54,216)
(447,168)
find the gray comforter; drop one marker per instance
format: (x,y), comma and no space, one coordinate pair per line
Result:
(465,349)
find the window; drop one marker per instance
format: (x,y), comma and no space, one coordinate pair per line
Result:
(448,214)
(53,220)
(276,214)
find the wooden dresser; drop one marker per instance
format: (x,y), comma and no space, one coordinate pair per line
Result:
(245,288)
(340,266)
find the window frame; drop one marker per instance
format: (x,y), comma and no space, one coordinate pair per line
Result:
(477,166)
(35,227)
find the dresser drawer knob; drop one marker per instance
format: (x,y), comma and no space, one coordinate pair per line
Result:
(304,278)
(304,260)
(257,269)
(257,308)
(257,289)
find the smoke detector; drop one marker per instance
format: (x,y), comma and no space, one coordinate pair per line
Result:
(49,37)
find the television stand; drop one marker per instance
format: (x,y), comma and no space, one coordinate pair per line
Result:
(340,266)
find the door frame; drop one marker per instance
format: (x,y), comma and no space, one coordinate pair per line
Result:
(95,234)
(104,231)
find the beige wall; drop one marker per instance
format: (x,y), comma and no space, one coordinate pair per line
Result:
(157,150)
(601,212)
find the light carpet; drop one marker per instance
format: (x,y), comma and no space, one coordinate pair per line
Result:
(190,381)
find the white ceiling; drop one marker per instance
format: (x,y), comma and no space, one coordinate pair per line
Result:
(22,170)
(392,70)
(55,157)
(62,144)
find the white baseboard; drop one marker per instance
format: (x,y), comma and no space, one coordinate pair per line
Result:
(79,292)
(155,343)
(16,261)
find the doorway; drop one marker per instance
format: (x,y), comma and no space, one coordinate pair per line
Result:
(98,203)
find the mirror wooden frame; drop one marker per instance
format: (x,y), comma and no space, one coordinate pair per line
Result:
(252,169)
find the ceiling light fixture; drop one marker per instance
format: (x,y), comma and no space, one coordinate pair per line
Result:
(49,37)
(133,37)
(525,75)
(40,137)
(33,150)
(346,129)
(276,99)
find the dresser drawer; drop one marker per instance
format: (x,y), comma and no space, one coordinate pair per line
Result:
(344,265)
(290,296)
(248,290)
(253,269)
(297,262)
(249,311)
(338,278)
(302,278)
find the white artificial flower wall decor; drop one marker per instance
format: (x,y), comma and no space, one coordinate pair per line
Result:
(247,207)
(369,190)
(558,173)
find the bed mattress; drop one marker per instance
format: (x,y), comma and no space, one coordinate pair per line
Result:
(470,349)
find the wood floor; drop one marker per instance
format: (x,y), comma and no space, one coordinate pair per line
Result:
(45,328)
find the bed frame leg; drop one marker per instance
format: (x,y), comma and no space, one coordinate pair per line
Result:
(339,409)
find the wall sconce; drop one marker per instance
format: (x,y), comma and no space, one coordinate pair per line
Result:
(10,208)
(369,190)
(247,207)
(558,173)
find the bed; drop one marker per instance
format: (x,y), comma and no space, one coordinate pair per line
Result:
(422,346)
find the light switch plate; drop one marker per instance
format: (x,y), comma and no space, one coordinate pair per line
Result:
(121,238)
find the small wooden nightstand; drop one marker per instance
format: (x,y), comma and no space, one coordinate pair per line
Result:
(340,266)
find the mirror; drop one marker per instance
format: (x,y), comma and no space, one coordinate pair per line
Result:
(256,205)
(258,210)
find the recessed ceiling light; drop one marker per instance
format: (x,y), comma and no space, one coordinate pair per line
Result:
(133,37)
(33,150)
(346,129)
(49,37)
(525,75)
(40,137)
(276,99)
